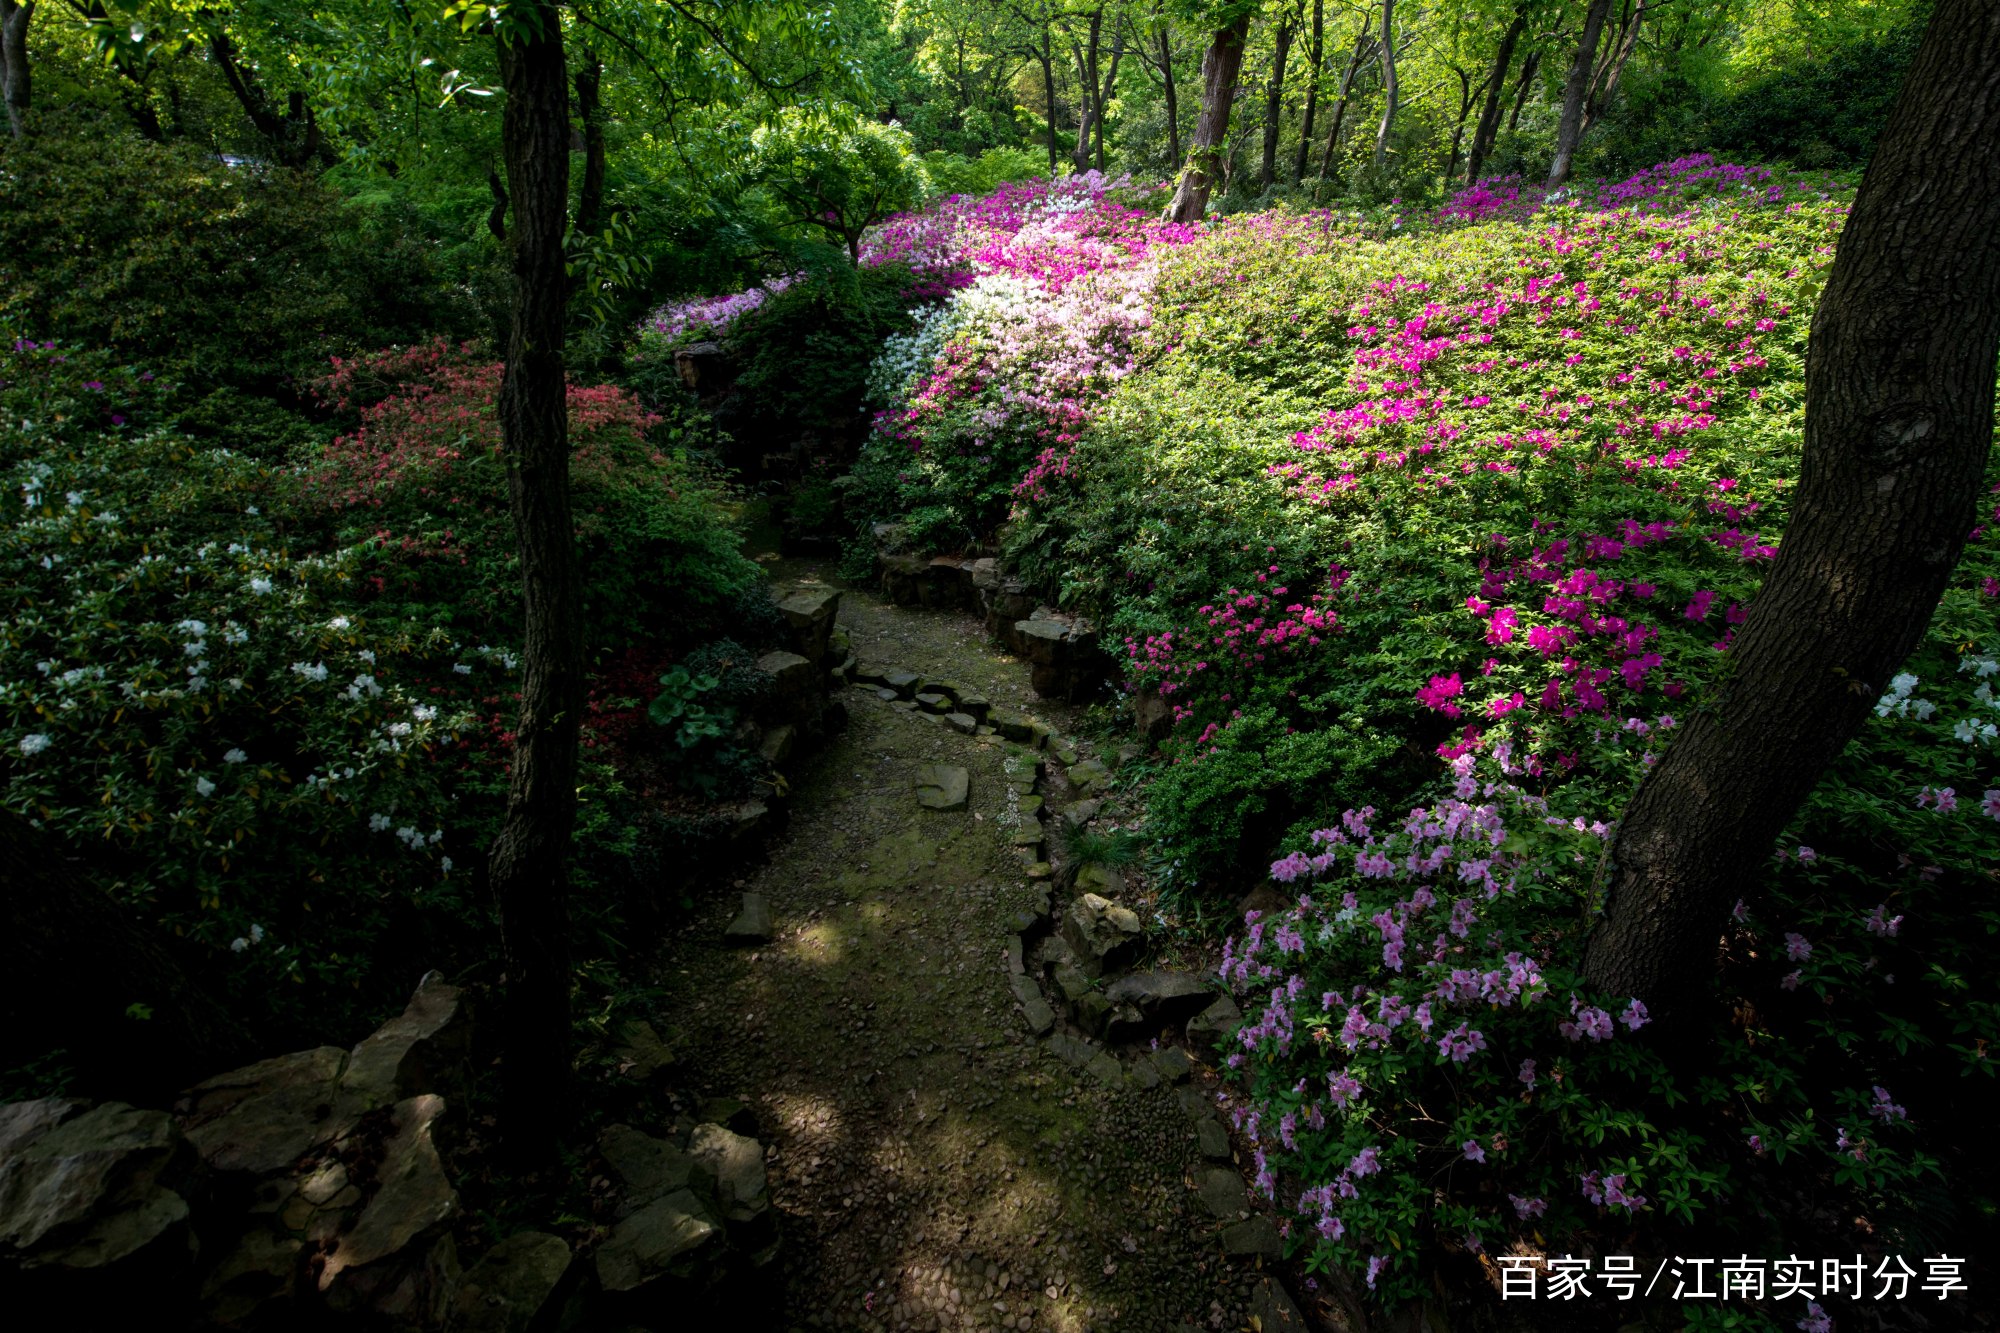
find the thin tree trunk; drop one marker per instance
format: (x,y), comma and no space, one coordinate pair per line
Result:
(1220,68)
(1466,98)
(1388,83)
(1604,84)
(1316,58)
(1529,68)
(527,866)
(1340,104)
(1570,128)
(15,77)
(590,110)
(1046,56)
(1489,115)
(1109,89)
(1899,419)
(1274,103)
(1173,100)
(1086,79)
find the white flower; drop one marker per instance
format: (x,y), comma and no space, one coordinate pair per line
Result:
(234,757)
(437,836)
(445,863)
(250,510)
(1903,684)
(367,655)
(399,728)
(1924,709)
(256,934)
(262,587)
(376,823)
(45,666)
(192,628)
(424,712)
(363,685)
(339,622)
(310,670)
(75,499)
(195,649)
(238,945)
(235,635)
(34,743)
(204,787)
(461,668)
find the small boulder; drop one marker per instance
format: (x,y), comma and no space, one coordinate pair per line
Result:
(1212,1139)
(943,787)
(423,1049)
(669,1237)
(1173,1064)
(965,724)
(810,613)
(261,1118)
(1033,1007)
(752,925)
(397,1263)
(1272,1308)
(1214,1028)
(513,1283)
(1253,1238)
(931,701)
(641,1055)
(1222,1192)
(731,1166)
(1164,997)
(1103,935)
(904,683)
(644,1167)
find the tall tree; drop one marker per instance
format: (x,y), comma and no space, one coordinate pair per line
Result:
(1899,421)
(1274,100)
(1108,90)
(590,111)
(1529,68)
(527,867)
(1389,88)
(1158,57)
(1617,54)
(1570,128)
(1219,70)
(1089,111)
(1316,62)
(15,90)
(1489,115)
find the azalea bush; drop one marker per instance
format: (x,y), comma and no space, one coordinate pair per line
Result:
(418,491)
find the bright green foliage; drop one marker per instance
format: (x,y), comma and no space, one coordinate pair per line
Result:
(839,178)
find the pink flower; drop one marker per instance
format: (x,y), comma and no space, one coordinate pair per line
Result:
(1474,1153)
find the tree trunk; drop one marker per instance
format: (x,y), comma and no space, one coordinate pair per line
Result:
(1046,56)
(1340,104)
(1087,111)
(1109,89)
(1219,69)
(1466,98)
(1173,99)
(1899,419)
(1604,84)
(1529,67)
(590,110)
(1316,59)
(77,972)
(1274,104)
(1570,128)
(1489,115)
(526,866)
(1388,84)
(15,79)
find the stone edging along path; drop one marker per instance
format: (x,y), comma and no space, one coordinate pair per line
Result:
(886,997)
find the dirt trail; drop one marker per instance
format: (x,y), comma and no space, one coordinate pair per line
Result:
(933,1165)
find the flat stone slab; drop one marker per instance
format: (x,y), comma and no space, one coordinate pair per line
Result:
(1271,1306)
(965,724)
(1030,833)
(1254,1237)
(1213,1138)
(904,683)
(1088,775)
(1222,1192)
(932,702)
(1072,1050)
(943,787)
(1173,1064)
(1033,1007)
(753,924)
(1104,1067)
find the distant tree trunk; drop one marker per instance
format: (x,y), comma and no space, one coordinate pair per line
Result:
(77,972)
(1274,103)
(1899,419)
(1172,95)
(294,137)
(1489,115)
(1086,80)
(1219,68)
(1570,128)
(527,867)
(1466,98)
(1109,89)
(1389,91)
(1354,60)
(15,77)
(1529,68)
(1316,59)
(1604,83)
(590,110)
(1045,56)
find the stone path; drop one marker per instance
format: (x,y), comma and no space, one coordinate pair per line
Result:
(934,1165)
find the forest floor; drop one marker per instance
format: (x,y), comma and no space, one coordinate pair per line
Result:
(932,1164)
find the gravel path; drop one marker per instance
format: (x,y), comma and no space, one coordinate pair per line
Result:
(935,1167)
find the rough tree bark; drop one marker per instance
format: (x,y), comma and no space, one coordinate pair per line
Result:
(1899,419)
(1354,60)
(1389,89)
(1172,94)
(1109,89)
(1488,128)
(1529,68)
(1316,61)
(1570,128)
(1088,111)
(526,867)
(15,78)
(1219,69)
(1604,83)
(590,110)
(1274,103)
(73,964)
(1468,96)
